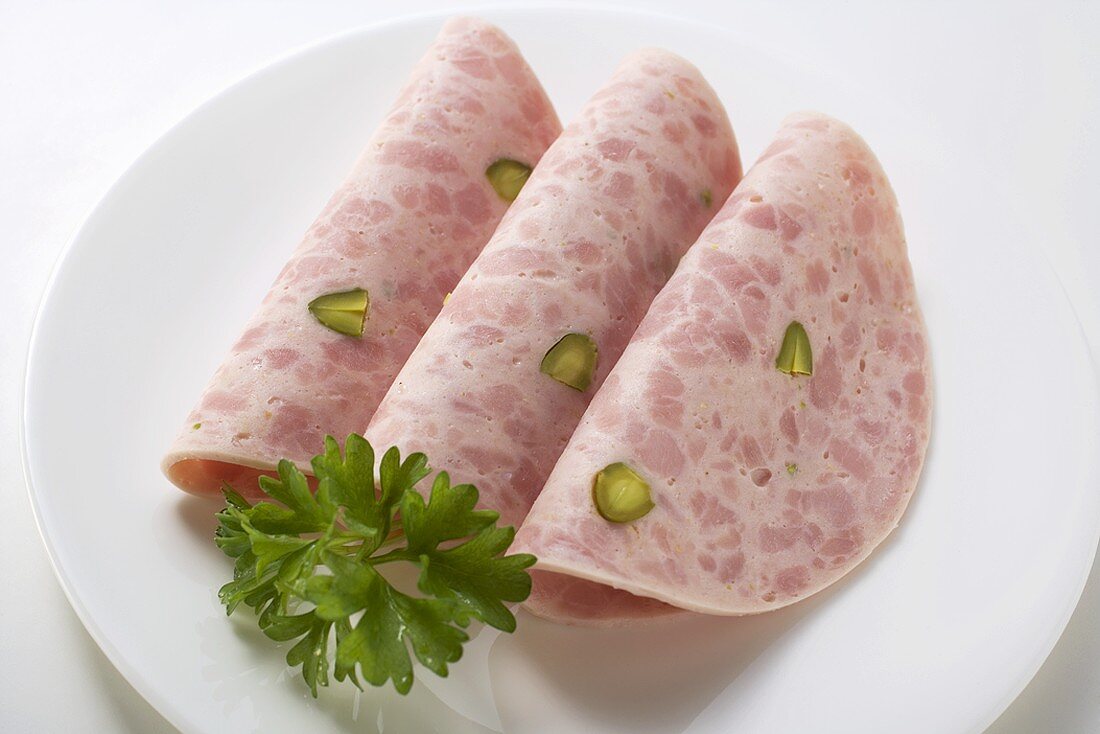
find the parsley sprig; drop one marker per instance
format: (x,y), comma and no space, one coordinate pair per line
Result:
(307,564)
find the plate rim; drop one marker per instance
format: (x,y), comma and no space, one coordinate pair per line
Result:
(178,716)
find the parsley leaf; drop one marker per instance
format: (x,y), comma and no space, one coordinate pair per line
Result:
(308,565)
(474,573)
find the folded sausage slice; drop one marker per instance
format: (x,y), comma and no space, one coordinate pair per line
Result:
(776,456)
(410,218)
(497,385)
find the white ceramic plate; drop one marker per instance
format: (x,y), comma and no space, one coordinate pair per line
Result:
(937,632)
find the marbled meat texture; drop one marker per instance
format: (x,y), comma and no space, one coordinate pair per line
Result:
(411,217)
(593,236)
(768,486)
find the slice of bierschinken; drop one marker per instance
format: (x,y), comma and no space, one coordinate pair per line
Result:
(499,381)
(373,270)
(774,405)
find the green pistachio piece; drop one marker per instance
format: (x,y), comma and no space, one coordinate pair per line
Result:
(707,198)
(572,361)
(507,177)
(795,356)
(345,312)
(196,427)
(620,494)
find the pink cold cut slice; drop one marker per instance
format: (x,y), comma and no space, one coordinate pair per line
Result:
(406,223)
(595,233)
(767,486)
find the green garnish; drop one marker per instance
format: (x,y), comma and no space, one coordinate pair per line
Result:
(572,361)
(308,564)
(707,198)
(507,177)
(345,312)
(620,494)
(792,468)
(196,427)
(795,356)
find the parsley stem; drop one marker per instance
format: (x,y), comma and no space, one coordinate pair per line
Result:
(364,551)
(395,555)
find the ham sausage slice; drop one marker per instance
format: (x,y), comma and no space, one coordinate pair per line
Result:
(410,218)
(596,232)
(766,486)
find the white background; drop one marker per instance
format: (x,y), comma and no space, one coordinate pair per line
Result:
(86,87)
